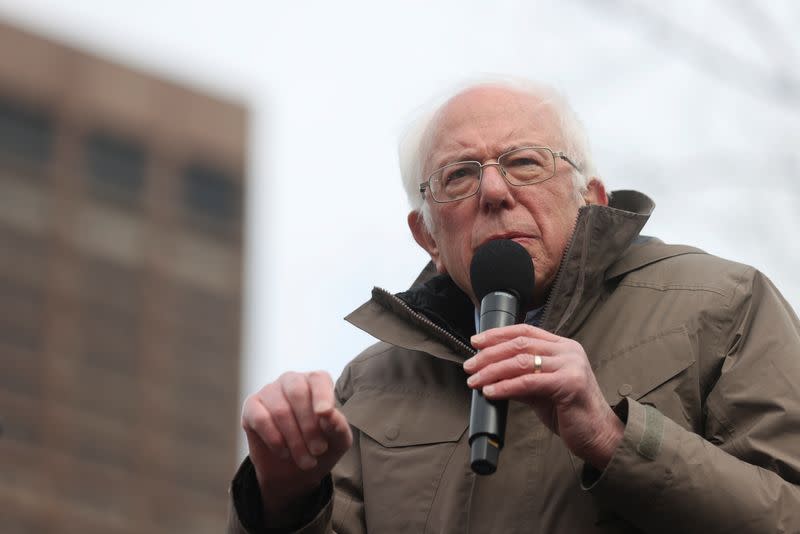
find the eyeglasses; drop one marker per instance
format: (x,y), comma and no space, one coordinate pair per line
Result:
(522,166)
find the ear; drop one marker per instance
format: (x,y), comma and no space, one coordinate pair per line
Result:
(595,192)
(424,239)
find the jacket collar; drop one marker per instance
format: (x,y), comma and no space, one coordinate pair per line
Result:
(605,245)
(602,234)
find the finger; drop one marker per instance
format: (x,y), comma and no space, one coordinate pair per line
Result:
(337,430)
(258,425)
(322,399)
(517,365)
(523,387)
(565,383)
(297,390)
(509,349)
(282,413)
(498,335)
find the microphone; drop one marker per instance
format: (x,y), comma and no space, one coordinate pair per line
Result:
(502,279)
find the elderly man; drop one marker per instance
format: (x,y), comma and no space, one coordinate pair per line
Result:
(653,387)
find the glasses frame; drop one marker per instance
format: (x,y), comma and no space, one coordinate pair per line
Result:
(424,186)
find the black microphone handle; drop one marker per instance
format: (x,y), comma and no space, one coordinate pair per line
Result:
(487,418)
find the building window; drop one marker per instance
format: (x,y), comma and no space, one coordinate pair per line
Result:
(112,284)
(116,167)
(22,371)
(21,419)
(21,314)
(106,442)
(26,135)
(211,193)
(30,258)
(111,339)
(104,393)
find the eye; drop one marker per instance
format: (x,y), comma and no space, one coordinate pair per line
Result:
(458,174)
(524,160)
(529,165)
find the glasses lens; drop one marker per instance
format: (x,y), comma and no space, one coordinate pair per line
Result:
(528,165)
(455,181)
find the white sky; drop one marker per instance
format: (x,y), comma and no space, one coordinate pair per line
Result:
(695,103)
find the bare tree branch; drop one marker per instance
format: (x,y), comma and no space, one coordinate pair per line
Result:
(779,86)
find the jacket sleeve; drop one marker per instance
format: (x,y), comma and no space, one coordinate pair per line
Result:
(742,474)
(336,508)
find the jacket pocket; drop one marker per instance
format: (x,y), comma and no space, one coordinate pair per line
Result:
(656,370)
(406,441)
(407,418)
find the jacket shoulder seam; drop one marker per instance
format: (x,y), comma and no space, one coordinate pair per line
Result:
(364,357)
(346,379)
(722,350)
(674,287)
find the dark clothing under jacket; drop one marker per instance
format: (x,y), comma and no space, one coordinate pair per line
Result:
(699,356)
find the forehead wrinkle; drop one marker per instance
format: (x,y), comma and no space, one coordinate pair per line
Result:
(454,150)
(448,148)
(459,115)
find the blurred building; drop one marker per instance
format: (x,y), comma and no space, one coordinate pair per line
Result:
(121,219)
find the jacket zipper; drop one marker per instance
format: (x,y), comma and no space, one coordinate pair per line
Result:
(436,329)
(432,327)
(548,304)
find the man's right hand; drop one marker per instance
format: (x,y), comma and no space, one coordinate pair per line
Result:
(296,436)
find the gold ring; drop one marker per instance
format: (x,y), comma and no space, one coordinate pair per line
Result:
(537,364)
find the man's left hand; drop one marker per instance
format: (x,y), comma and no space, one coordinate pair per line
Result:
(564,392)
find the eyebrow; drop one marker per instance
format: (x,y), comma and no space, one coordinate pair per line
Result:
(463,155)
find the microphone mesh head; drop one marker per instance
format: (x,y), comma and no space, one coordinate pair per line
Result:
(503,265)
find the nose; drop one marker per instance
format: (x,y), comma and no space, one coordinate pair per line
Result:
(495,190)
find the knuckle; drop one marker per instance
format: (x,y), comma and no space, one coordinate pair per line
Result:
(250,411)
(256,419)
(248,405)
(273,439)
(319,375)
(528,381)
(523,361)
(291,379)
(520,343)
(528,329)
(575,378)
(295,390)
(288,375)
(282,412)
(259,422)
(274,444)
(266,389)
(575,346)
(264,395)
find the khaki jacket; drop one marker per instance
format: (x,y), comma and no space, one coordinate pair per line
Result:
(700,357)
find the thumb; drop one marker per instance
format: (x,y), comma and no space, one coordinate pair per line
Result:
(337,430)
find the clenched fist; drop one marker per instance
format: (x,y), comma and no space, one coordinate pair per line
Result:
(295,435)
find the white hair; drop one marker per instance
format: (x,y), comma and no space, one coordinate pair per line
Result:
(416,139)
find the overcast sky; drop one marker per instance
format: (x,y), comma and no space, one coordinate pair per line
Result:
(694,102)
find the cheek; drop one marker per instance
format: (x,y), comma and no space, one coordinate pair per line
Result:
(557,228)
(455,253)
(453,234)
